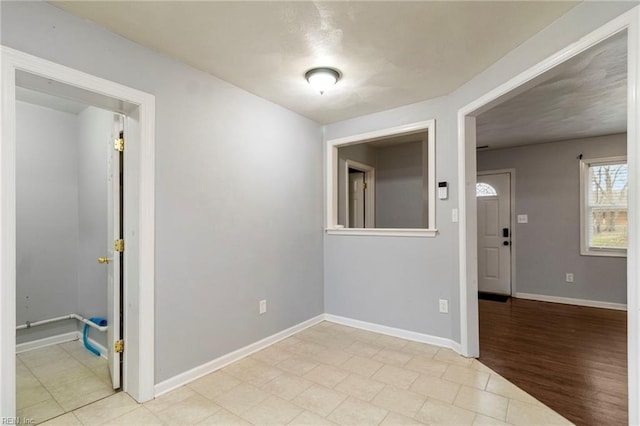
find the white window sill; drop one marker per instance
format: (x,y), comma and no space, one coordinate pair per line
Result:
(604,253)
(384,232)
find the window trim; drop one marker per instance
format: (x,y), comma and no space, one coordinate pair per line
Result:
(585,250)
(331,179)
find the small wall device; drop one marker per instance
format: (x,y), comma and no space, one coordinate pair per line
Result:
(443,190)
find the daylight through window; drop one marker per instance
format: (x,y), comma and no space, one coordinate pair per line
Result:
(604,219)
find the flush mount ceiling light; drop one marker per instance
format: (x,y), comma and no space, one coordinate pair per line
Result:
(322,79)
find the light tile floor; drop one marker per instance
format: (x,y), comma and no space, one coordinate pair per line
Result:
(58,379)
(331,374)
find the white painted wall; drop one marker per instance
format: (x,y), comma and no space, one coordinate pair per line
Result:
(238,192)
(548,191)
(47,219)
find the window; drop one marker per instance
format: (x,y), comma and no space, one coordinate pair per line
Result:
(383,183)
(485,190)
(603,196)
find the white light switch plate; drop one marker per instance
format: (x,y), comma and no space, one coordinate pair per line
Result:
(454,215)
(523,218)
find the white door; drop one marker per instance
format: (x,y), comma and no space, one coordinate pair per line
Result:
(114,263)
(494,233)
(356,200)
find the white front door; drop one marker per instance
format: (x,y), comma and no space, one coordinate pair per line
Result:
(114,233)
(494,233)
(356,200)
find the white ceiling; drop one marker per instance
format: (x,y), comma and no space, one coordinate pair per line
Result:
(583,97)
(390,53)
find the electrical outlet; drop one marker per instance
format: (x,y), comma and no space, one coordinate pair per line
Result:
(444,306)
(263,306)
(569,277)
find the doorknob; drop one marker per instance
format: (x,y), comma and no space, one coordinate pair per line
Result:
(506,243)
(104,260)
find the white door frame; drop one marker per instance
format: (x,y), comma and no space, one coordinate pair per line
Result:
(512,218)
(469,334)
(369,197)
(139,218)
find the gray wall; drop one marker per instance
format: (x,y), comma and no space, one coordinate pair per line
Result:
(399,201)
(362,153)
(226,238)
(47,219)
(397,281)
(238,192)
(548,191)
(95,139)
(62,215)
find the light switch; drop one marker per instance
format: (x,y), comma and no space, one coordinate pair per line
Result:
(523,218)
(454,215)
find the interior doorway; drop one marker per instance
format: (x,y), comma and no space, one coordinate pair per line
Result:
(626,28)
(69,186)
(360,194)
(133,341)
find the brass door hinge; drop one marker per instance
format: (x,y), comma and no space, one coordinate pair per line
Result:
(364,185)
(118,144)
(118,347)
(118,245)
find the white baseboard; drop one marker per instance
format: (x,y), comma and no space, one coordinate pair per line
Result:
(218,363)
(570,301)
(60,338)
(47,341)
(395,332)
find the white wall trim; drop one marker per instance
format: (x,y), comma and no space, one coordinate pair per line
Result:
(395,332)
(221,362)
(218,363)
(47,341)
(60,338)
(469,332)
(570,301)
(384,232)
(139,275)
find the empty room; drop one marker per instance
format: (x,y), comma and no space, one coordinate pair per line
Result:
(269,213)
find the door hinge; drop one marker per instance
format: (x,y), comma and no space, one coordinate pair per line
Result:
(364,185)
(118,245)
(118,144)
(118,347)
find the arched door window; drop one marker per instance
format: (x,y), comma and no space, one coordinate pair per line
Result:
(485,190)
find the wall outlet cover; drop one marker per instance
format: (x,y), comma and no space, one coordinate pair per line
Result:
(523,218)
(263,306)
(444,306)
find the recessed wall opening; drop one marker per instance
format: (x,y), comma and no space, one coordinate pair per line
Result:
(383,183)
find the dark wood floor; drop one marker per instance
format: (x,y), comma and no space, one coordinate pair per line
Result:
(572,358)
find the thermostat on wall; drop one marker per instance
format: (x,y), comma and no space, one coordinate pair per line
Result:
(443,190)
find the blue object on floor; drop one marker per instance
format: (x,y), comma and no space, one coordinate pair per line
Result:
(96,320)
